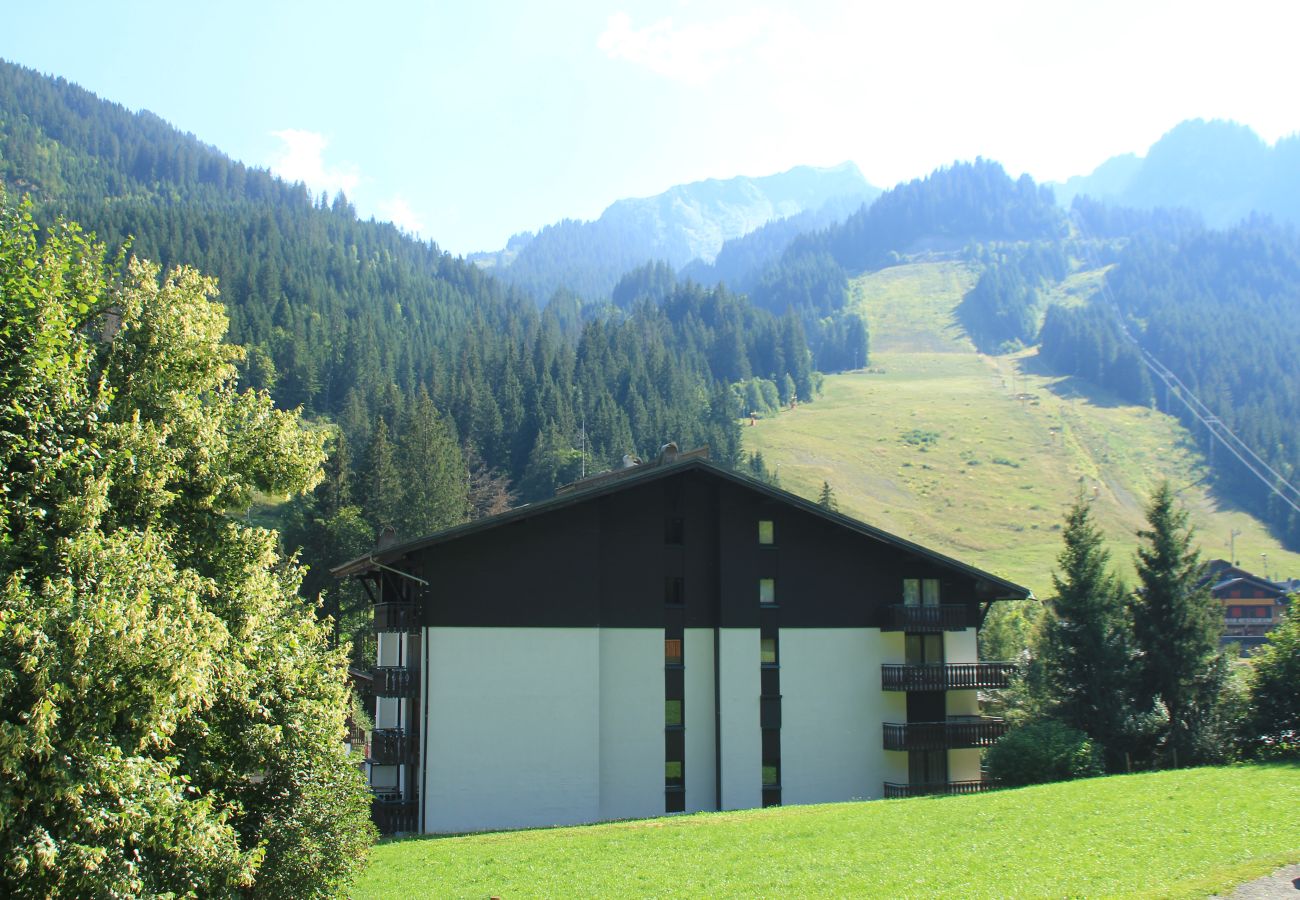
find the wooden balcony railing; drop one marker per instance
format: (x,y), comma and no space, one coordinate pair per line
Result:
(392,814)
(953,734)
(397,681)
(950,677)
(894,791)
(393,746)
(946,617)
(396,617)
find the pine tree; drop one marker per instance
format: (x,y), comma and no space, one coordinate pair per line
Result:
(1176,625)
(827,498)
(381,499)
(1083,649)
(435,490)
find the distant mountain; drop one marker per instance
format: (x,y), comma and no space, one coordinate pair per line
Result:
(1221,170)
(684,223)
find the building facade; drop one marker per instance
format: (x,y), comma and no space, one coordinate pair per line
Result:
(1252,605)
(670,638)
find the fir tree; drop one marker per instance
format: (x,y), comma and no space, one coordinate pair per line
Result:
(435,490)
(1176,626)
(826,499)
(1083,647)
(382,484)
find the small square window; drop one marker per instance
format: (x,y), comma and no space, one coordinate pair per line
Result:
(930,592)
(672,712)
(766,532)
(767,651)
(911,591)
(771,776)
(672,652)
(673,774)
(767,590)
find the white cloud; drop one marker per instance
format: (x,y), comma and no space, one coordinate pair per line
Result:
(691,53)
(396,210)
(302,158)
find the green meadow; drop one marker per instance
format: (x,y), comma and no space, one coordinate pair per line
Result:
(1188,833)
(979,456)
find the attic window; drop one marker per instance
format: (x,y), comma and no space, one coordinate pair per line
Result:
(767,591)
(766,532)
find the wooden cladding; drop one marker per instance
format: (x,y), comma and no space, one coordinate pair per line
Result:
(954,734)
(950,677)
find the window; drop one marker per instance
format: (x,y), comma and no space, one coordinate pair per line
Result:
(1263,612)
(672,652)
(674,530)
(923,649)
(771,776)
(766,532)
(672,712)
(1234,612)
(767,651)
(911,592)
(927,766)
(767,590)
(674,590)
(673,774)
(930,592)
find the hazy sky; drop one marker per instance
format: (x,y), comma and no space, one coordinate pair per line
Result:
(468,121)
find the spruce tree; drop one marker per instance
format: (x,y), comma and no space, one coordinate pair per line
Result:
(1176,626)
(382,483)
(827,498)
(1083,649)
(435,481)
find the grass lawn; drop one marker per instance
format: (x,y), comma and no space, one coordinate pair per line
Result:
(1168,834)
(979,456)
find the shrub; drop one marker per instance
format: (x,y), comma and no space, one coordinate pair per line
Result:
(1043,751)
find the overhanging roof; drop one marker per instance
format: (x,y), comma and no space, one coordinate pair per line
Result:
(577,494)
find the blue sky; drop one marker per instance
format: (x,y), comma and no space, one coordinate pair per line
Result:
(466,122)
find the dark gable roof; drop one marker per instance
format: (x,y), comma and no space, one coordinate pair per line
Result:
(643,474)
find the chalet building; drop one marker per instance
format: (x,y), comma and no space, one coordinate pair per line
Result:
(1252,605)
(671,637)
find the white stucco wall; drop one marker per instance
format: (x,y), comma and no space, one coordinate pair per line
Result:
(542,726)
(964,765)
(631,692)
(742,750)
(961,647)
(701,768)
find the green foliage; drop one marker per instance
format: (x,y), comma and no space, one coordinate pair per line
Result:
(1043,751)
(826,499)
(1176,628)
(170,713)
(1083,649)
(1271,728)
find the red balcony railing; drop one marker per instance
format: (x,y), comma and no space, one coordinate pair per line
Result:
(945,617)
(953,734)
(949,677)
(894,791)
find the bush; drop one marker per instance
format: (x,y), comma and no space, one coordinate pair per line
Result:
(1043,751)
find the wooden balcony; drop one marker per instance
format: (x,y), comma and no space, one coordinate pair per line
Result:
(394,815)
(894,791)
(984,676)
(396,617)
(393,746)
(945,617)
(397,681)
(953,734)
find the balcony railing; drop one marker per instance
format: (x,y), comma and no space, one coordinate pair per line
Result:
(945,617)
(894,791)
(394,815)
(397,681)
(953,734)
(396,617)
(950,677)
(393,746)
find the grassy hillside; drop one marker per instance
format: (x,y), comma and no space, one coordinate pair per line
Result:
(979,456)
(1168,834)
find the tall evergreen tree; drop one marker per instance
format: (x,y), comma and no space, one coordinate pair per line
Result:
(1083,649)
(1176,626)
(826,499)
(435,493)
(382,482)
